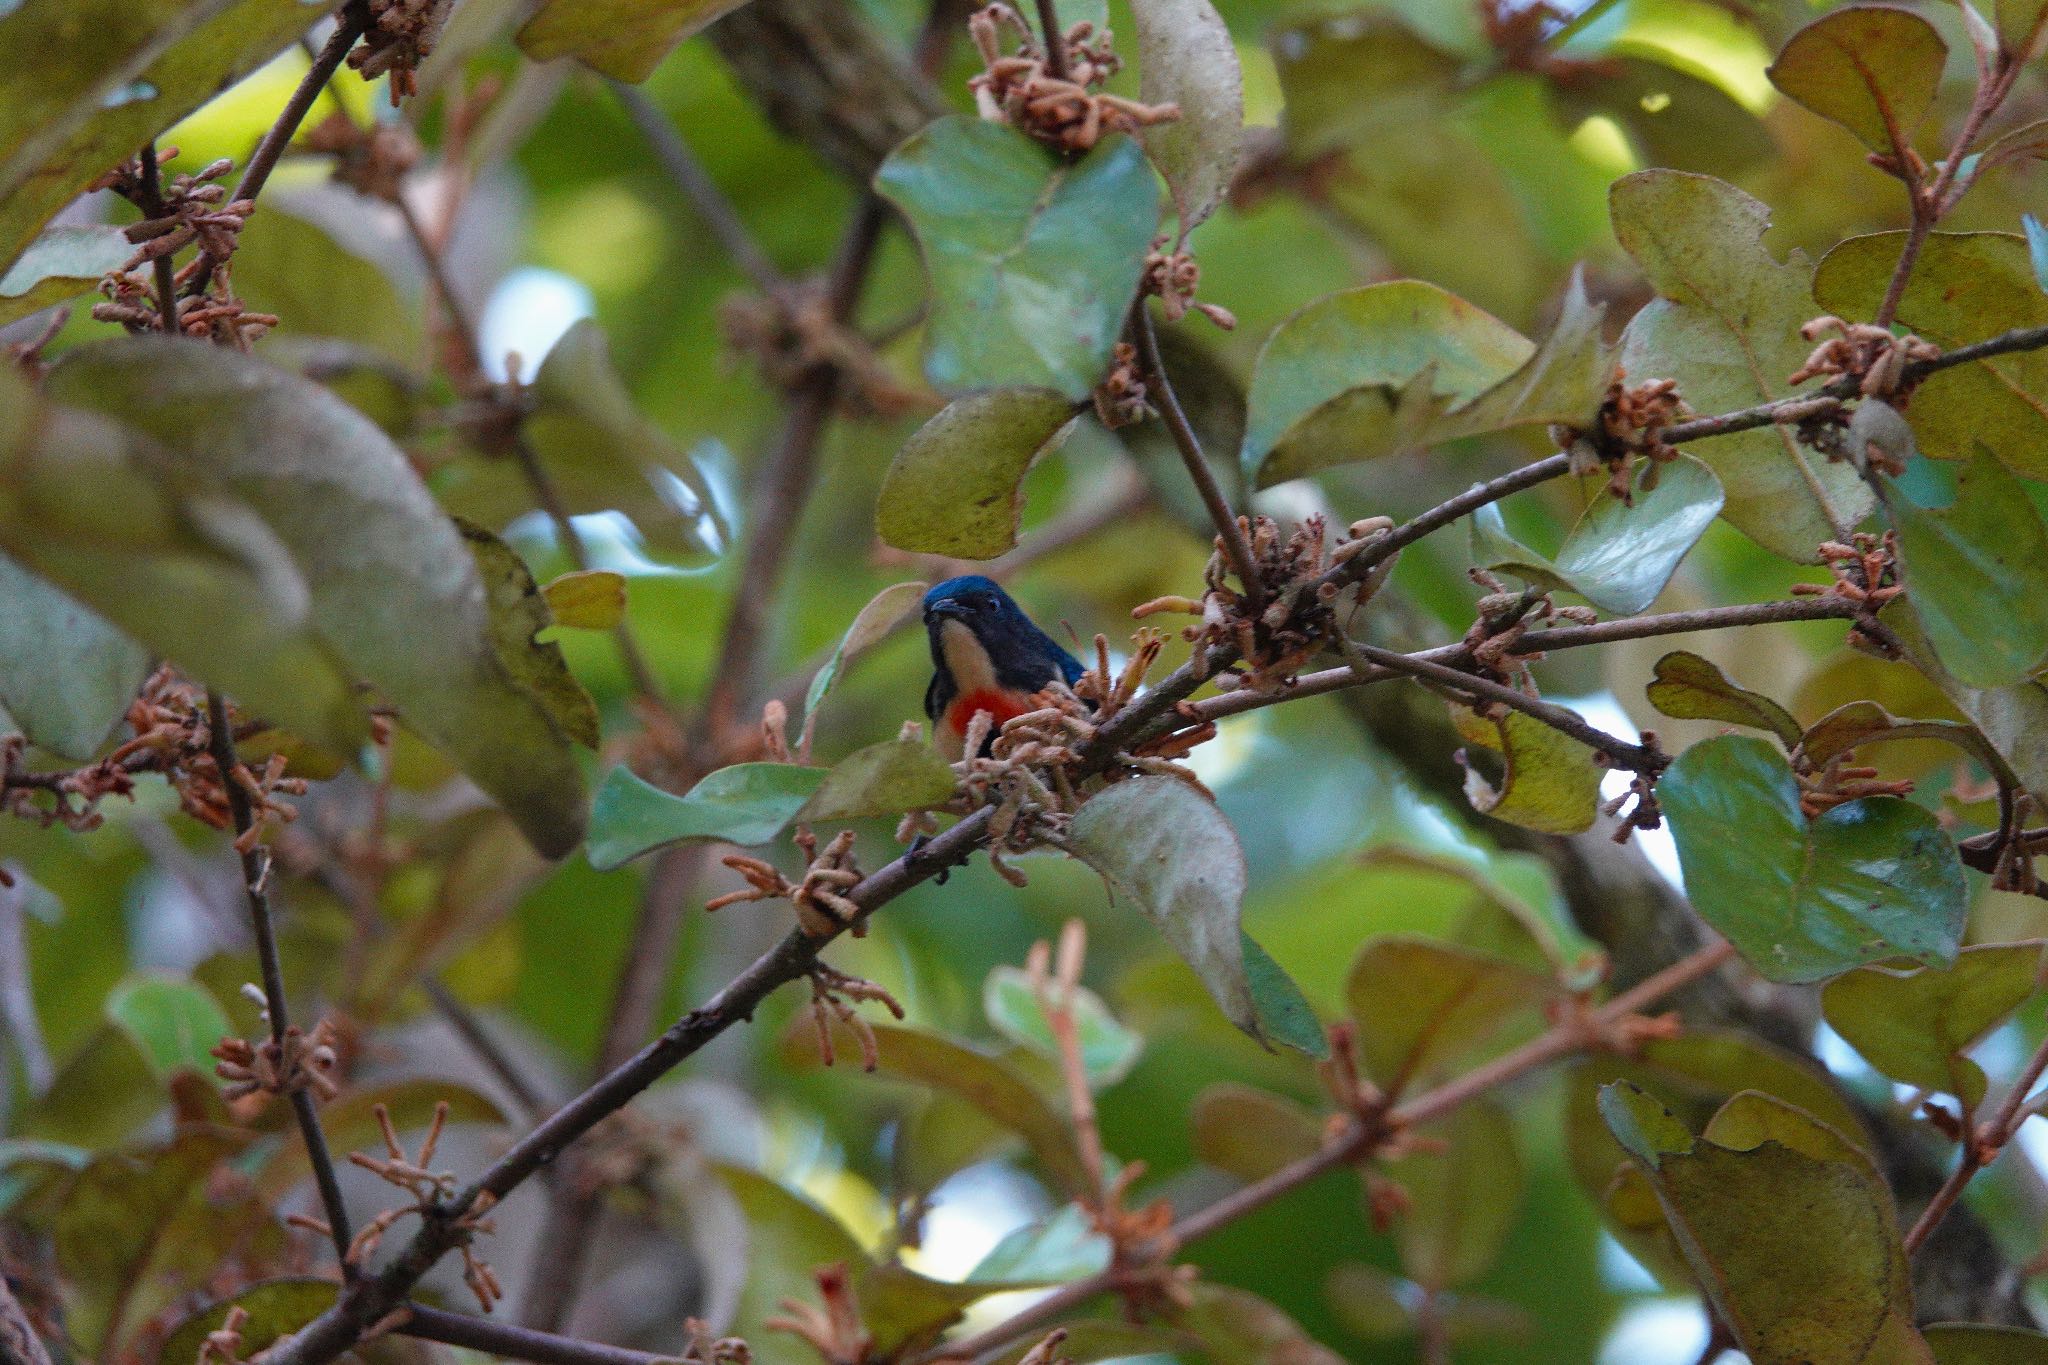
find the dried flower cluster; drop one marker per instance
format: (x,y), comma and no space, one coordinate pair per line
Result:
(1871,354)
(791,334)
(184,210)
(822,908)
(1631,423)
(1056,103)
(1866,572)
(427,1187)
(301,1061)
(1174,276)
(834,1331)
(372,161)
(400,36)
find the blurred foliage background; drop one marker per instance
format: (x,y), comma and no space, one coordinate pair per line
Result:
(1493,184)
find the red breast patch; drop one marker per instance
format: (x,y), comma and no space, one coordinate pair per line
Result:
(1001,706)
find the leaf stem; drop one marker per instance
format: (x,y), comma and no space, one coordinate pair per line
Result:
(1229,530)
(256,882)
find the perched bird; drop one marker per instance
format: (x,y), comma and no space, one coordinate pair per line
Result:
(987,655)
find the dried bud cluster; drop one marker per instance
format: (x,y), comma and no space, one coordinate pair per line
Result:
(1869,353)
(400,35)
(372,161)
(187,209)
(1631,423)
(302,1061)
(1021,87)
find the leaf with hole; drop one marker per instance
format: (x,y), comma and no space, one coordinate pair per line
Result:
(1914,1025)
(1871,68)
(1618,556)
(747,803)
(1692,688)
(1548,780)
(1725,325)
(956,487)
(1806,899)
(1033,260)
(1976,574)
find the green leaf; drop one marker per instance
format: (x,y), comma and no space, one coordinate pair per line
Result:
(1618,557)
(1549,781)
(2022,28)
(623,39)
(990,1084)
(1251,1133)
(1325,61)
(129,70)
(1090,1340)
(1422,1006)
(885,611)
(276,1308)
(1672,118)
(1976,573)
(1865,722)
(1787,1226)
(291,260)
(377,554)
(1108,1049)
(66,675)
(1389,367)
(1725,325)
(173,1022)
(1871,68)
(1057,1248)
(127,528)
(1033,260)
(518,613)
(1166,847)
(62,263)
(956,487)
(1186,58)
(1972,1343)
(600,452)
(883,779)
(587,599)
(1915,1025)
(1237,1327)
(1284,1013)
(1692,688)
(747,803)
(1462,1199)
(1966,287)
(1800,899)
(2013,719)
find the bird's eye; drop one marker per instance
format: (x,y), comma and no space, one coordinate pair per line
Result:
(982,601)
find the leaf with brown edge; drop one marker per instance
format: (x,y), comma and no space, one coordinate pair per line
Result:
(1548,780)
(956,487)
(1788,1227)
(1873,69)
(1186,58)
(519,612)
(1423,1006)
(1251,1133)
(1692,688)
(1915,1025)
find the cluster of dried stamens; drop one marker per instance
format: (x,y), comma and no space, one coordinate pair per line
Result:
(400,36)
(1174,276)
(1872,354)
(428,1188)
(372,161)
(223,1345)
(1866,572)
(834,1331)
(301,1061)
(792,335)
(822,908)
(1020,87)
(1838,781)
(186,209)
(1123,398)
(833,996)
(1296,619)
(1631,424)
(1502,618)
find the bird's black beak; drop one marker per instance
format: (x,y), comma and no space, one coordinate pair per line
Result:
(945,611)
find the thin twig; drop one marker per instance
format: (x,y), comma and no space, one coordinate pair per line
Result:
(1356,1142)
(1229,531)
(709,201)
(153,207)
(354,20)
(471,1030)
(1981,1148)
(517,1343)
(1055,39)
(256,881)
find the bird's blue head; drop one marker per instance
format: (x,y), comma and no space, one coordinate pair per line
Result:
(983,643)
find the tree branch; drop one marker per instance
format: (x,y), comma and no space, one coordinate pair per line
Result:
(256,881)
(518,1343)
